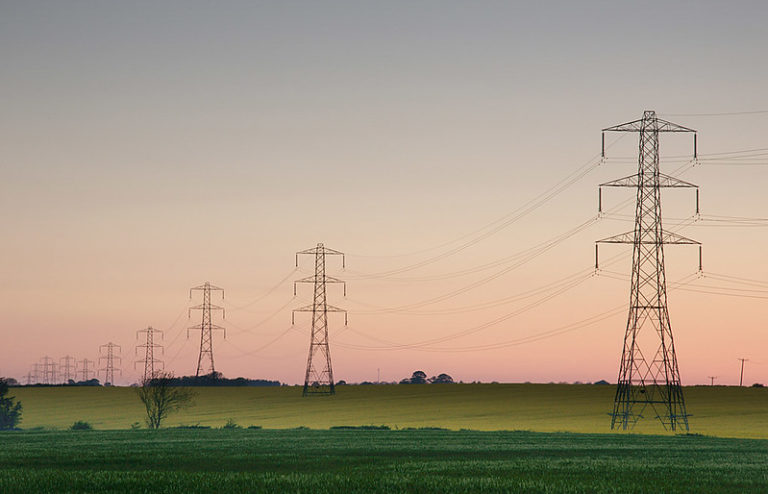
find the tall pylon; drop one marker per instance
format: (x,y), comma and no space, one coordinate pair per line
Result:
(49,370)
(648,375)
(319,376)
(36,374)
(68,369)
(86,369)
(149,360)
(109,368)
(205,365)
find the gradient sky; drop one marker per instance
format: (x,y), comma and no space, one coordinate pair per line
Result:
(147,147)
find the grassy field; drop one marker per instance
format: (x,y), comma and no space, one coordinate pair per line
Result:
(716,411)
(355,461)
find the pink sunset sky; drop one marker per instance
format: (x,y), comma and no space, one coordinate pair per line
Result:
(149,147)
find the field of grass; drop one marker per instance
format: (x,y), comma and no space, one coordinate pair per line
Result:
(379,461)
(716,411)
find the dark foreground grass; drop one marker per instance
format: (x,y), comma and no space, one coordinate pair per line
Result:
(377,461)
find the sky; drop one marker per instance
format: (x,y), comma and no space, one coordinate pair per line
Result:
(148,147)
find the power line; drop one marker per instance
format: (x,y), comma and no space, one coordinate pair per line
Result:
(506,220)
(720,114)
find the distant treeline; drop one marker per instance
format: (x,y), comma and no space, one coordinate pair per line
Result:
(71,382)
(216,379)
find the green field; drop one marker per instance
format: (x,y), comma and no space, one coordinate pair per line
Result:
(356,461)
(716,411)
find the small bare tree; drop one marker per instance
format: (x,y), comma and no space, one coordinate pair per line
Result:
(161,398)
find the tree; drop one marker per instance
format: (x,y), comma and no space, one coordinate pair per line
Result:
(419,377)
(441,379)
(10,412)
(161,398)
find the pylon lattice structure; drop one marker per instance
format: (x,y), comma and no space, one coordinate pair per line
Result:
(49,371)
(648,375)
(205,363)
(109,367)
(149,347)
(319,376)
(68,368)
(86,369)
(36,377)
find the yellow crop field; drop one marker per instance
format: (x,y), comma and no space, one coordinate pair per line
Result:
(715,411)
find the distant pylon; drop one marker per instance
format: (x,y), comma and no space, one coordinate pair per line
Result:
(49,371)
(36,374)
(149,360)
(68,368)
(319,376)
(86,369)
(30,377)
(205,363)
(648,374)
(109,369)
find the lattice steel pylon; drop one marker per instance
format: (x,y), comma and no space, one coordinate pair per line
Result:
(205,365)
(49,370)
(109,368)
(86,369)
(649,375)
(318,379)
(68,368)
(149,359)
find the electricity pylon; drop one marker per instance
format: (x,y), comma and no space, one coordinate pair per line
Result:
(86,369)
(149,360)
(205,364)
(319,376)
(36,372)
(649,375)
(68,368)
(109,369)
(49,370)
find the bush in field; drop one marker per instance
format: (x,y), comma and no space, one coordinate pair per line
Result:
(10,411)
(231,425)
(81,425)
(161,398)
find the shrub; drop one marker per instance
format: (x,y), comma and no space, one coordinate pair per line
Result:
(231,425)
(81,425)
(10,411)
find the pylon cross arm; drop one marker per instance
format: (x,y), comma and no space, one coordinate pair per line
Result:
(666,238)
(310,308)
(200,326)
(311,279)
(663,181)
(674,238)
(637,126)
